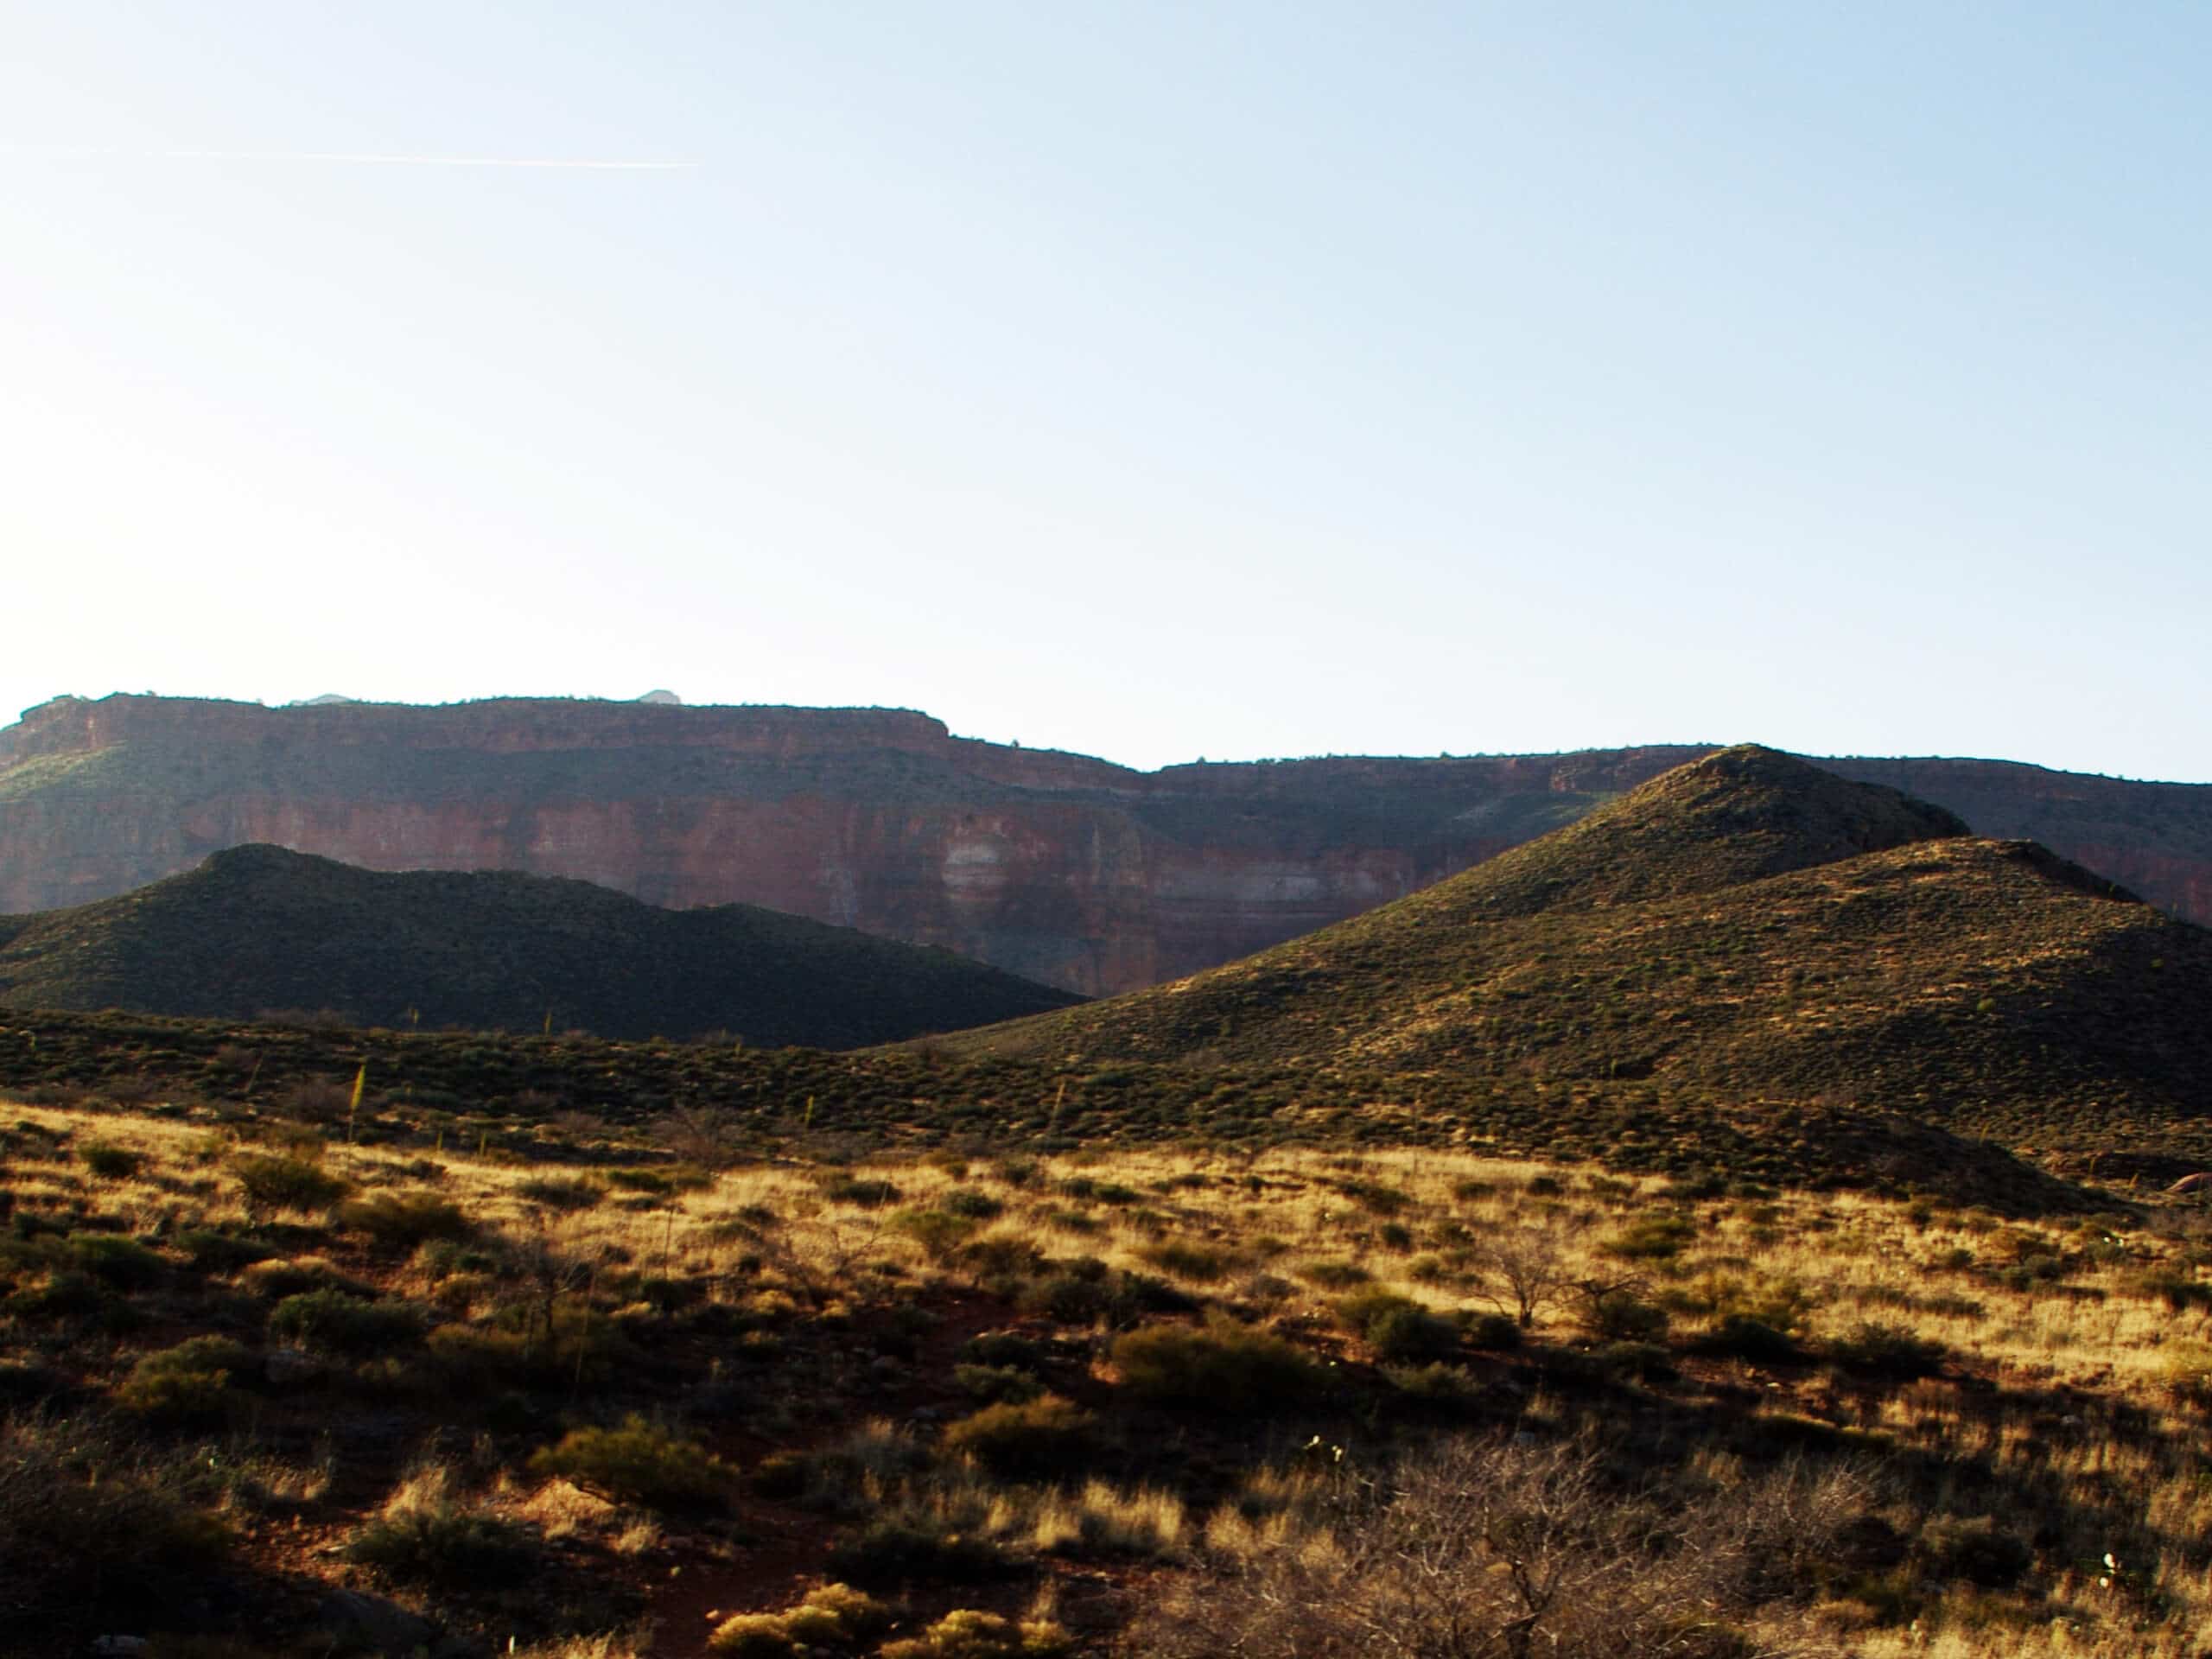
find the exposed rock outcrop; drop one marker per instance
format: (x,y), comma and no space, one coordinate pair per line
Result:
(1063,867)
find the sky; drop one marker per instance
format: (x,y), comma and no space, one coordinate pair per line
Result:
(1154,381)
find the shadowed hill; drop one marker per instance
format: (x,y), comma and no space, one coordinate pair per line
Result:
(257,928)
(1745,926)
(1732,817)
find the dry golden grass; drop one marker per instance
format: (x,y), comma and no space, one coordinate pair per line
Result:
(2061,1374)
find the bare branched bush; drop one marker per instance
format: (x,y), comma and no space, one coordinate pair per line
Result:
(1509,1550)
(706,1136)
(1526,1268)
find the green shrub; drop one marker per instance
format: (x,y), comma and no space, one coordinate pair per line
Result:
(1978,1551)
(564,1193)
(638,1463)
(1622,1316)
(1445,1388)
(446,1546)
(996,1384)
(1889,1351)
(1498,1332)
(188,1384)
(278,1182)
(1033,1439)
(965,1633)
(332,1320)
(212,1250)
(89,1522)
(1224,1367)
(1333,1275)
(835,1616)
(122,1263)
(1189,1259)
(2178,1291)
(867,1191)
(972,1205)
(1002,1349)
(1739,1336)
(938,1231)
(1656,1238)
(401,1221)
(890,1551)
(1400,1330)
(1647,1361)
(109,1162)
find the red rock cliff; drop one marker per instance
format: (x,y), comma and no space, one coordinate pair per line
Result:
(1066,868)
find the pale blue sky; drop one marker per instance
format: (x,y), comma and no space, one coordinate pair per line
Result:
(1147,380)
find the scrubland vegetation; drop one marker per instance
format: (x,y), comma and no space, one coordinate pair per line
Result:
(272,1386)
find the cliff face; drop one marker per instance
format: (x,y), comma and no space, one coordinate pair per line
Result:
(1064,869)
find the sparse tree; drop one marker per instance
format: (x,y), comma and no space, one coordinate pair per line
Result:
(1524,1268)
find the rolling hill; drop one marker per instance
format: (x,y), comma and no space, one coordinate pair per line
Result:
(257,928)
(1746,926)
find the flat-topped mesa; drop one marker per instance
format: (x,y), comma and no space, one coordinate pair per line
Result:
(1058,866)
(493,725)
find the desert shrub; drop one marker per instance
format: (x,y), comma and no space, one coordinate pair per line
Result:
(895,1551)
(869,1192)
(637,1463)
(278,1182)
(1032,1439)
(1439,1386)
(316,1100)
(123,1263)
(188,1384)
(939,1232)
(292,1276)
(1496,1332)
(967,1202)
(1074,1296)
(1895,1352)
(1977,1550)
(1002,1256)
(1654,1238)
(564,1193)
(212,1250)
(443,1545)
(1513,1547)
(833,1616)
(332,1320)
(1223,1367)
(965,1633)
(996,1384)
(2178,1291)
(1622,1316)
(1739,1336)
(2188,1374)
(1333,1275)
(519,1350)
(88,1520)
(401,1221)
(1400,1330)
(64,1294)
(1190,1258)
(111,1162)
(1002,1348)
(1646,1361)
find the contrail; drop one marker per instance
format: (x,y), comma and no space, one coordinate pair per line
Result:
(349,158)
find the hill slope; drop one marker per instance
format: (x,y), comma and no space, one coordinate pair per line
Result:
(1745,926)
(257,928)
